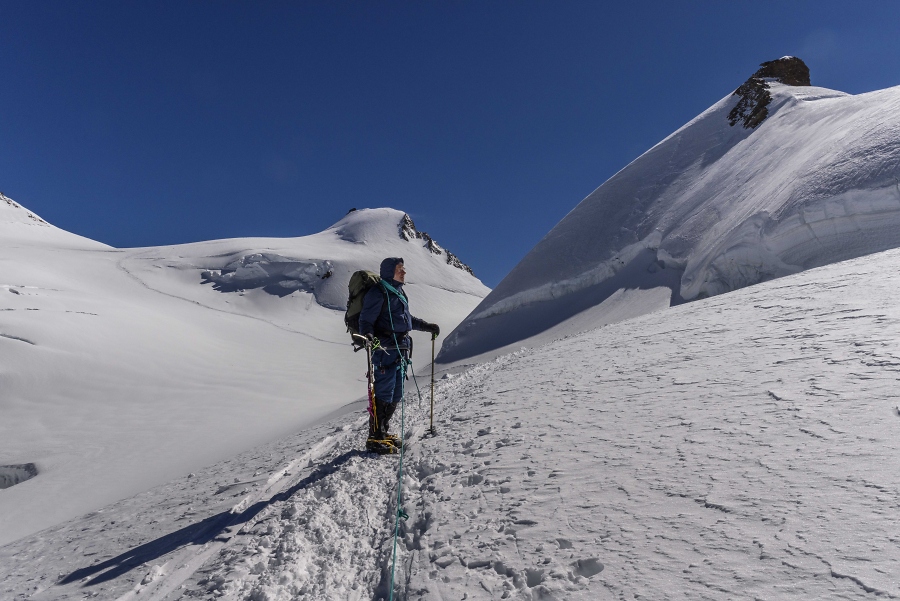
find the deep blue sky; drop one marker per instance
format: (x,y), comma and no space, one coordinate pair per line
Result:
(149,123)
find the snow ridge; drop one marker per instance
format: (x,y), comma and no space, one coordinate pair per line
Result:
(17,214)
(409,232)
(715,208)
(754,96)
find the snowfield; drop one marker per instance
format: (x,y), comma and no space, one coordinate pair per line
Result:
(121,369)
(740,447)
(711,208)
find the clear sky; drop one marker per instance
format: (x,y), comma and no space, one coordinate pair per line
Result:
(150,123)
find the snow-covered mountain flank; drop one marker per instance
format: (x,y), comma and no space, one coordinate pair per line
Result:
(21,227)
(121,369)
(776,178)
(740,447)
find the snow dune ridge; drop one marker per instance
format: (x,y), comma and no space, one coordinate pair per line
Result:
(714,208)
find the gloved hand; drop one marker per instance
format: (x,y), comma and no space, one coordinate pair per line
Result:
(370,337)
(433,328)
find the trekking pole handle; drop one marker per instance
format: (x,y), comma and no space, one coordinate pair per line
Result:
(360,342)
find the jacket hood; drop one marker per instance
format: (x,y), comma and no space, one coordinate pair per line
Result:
(387,268)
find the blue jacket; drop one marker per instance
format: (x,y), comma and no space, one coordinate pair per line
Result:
(386,314)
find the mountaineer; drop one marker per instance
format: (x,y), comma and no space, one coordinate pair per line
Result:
(386,321)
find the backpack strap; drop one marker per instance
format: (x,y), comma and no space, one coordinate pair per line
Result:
(386,334)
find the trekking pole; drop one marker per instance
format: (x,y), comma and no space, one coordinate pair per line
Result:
(360,343)
(433,337)
(370,377)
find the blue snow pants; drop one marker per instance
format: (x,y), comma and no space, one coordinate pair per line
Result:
(389,374)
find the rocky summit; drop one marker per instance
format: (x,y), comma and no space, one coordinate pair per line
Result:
(409,233)
(752,108)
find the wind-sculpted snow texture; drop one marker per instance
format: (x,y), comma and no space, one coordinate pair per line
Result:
(121,369)
(718,208)
(741,447)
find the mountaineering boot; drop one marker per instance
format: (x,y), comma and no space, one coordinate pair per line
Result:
(382,417)
(388,412)
(380,447)
(377,441)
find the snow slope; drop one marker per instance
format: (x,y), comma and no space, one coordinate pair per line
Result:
(22,228)
(121,369)
(711,208)
(740,447)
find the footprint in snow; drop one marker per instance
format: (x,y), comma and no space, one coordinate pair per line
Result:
(588,567)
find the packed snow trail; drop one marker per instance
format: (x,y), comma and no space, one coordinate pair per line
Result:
(740,447)
(224,522)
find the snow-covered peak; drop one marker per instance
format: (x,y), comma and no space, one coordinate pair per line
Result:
(409,233)
(24,227)
(322,263)
(367,225)
(362,226)
(754,95)
(711,208)
(13,212)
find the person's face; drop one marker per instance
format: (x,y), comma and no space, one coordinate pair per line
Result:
(400,273)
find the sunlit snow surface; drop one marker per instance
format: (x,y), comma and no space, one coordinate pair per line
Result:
(121,369)
(712,208)
(740,447)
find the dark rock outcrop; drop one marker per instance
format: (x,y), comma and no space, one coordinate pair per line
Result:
(789,70)
(409,233)
(10,475)
(752,108)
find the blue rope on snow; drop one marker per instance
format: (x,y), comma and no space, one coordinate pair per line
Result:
(400,512)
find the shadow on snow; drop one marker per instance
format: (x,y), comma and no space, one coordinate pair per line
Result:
(196,534)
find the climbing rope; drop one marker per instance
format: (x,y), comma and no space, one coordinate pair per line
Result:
(402,368)
(400,512)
